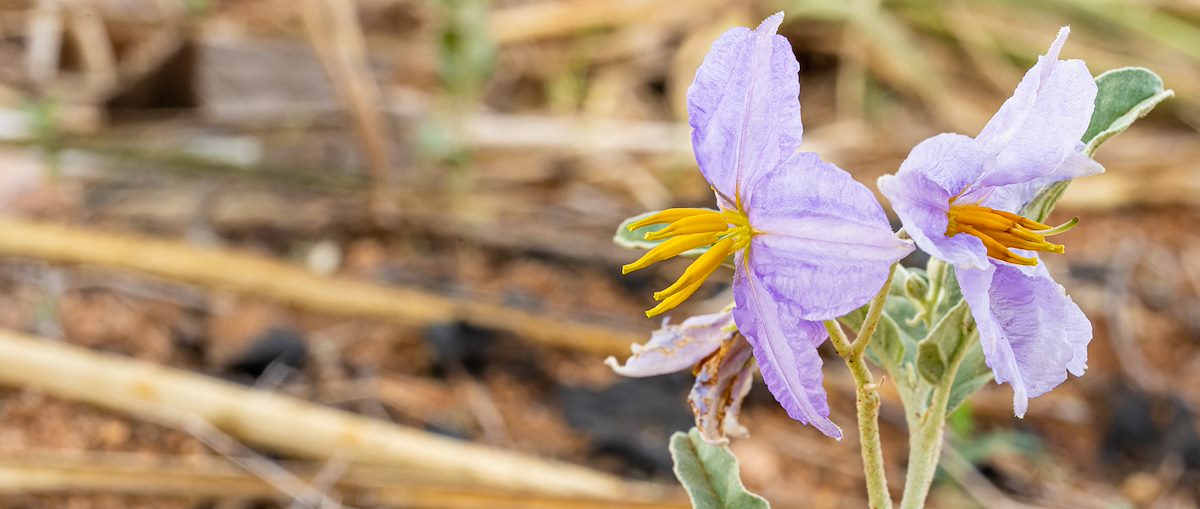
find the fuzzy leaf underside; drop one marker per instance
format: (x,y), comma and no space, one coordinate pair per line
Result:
(950,334)
(710,474)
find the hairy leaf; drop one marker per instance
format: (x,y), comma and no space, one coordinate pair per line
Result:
(1124,96)
(972,375)
(949,335)
(710,474)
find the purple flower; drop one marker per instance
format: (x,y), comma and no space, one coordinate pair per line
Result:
(809,243)
(723,365)
(951,185)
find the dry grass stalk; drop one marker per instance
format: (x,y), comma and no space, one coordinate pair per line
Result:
(44,41)
(252,275)
(537,20)
(95,47)
(289,425)
(41,472)
(337,37)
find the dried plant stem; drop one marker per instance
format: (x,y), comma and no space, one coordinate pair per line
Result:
(867,395)
(179,398)
(47,472)
(252,275)
(337,37)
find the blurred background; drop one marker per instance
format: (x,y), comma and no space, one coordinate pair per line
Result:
(311,253)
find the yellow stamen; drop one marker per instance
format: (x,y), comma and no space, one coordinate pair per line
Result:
(674,300)
(699,223)
(726,231)
(1001,231)
(671,248)
(668,216)
(700,269)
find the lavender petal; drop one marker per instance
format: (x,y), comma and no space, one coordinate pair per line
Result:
(1032,333)
(938,169)
(824,241)
(744,107)
(786,350)
(1041,124)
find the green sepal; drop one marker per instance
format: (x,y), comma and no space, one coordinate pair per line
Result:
(710,474)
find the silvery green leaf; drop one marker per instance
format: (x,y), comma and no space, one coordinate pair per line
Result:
(902,312)
(710,474)
(951,293)
(948,335)
(973,374)
(888,343)
(1123,96)
(931,362)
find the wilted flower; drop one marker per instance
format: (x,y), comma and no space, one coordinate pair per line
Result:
(958,197)
(720,359)
(809,243)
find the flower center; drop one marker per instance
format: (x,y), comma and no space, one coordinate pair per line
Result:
(1001,231)
(726,231)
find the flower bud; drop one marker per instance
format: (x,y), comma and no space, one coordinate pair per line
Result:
(916,288)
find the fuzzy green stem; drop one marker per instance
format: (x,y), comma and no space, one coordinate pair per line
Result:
(867,401)
(874,312)
(866,395)
(925,438)
(936,271)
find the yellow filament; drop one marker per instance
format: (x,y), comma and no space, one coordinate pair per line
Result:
(1002,231)
(726,231)
(700,223)
(674,300)
(668,216)
(671,248)
(700,269)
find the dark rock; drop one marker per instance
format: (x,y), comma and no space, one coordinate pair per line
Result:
(1090,272)
(460,345)
(632,420)
(1146,428)
(276,345)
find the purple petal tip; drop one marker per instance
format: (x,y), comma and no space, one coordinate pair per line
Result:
(771,24)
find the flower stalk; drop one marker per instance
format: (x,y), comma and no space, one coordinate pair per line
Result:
(866,394)
(926,430)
